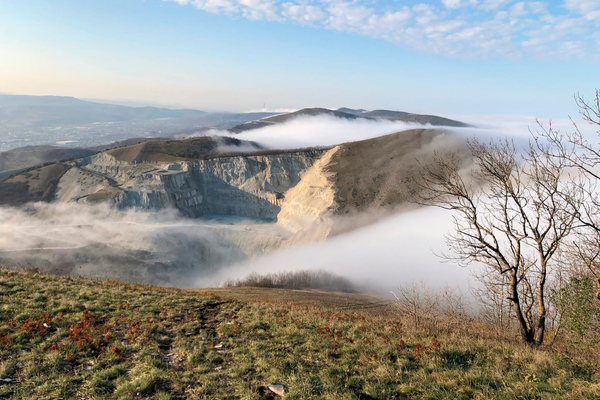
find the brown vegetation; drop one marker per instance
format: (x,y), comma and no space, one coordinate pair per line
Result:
(178,150)
(380,172)
(306,279)
(38,184)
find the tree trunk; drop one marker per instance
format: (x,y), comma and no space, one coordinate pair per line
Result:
(540,331)
(527,334)
(541,325)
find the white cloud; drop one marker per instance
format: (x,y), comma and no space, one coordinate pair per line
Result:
(462,28)
(304,14)
(518,10)
(459,3)
(589,9)
(494,4)
(321,130)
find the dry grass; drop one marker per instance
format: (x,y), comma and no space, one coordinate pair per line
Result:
(76,338)
(33,185)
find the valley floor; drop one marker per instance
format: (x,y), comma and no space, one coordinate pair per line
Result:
(67,338)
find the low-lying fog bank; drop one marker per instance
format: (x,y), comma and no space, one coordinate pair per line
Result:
(165,249)
(391,252)
(327,130)
(99,242)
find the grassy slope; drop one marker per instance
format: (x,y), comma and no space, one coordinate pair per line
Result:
(26,157)
(432,120)
(112,340)
(200,148)
(379,172)
(168,150)
(33,185)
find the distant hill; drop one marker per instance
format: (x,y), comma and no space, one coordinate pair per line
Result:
(311,112)
(350,114)
(122,143)
(35,185)
(228,120)
(25,157)
(351,110)
(40,183)
(185,149)
(44,111)
(385,114)
(277,119)
(431,120)
(12,161)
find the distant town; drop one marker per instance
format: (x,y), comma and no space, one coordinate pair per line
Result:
(91,135)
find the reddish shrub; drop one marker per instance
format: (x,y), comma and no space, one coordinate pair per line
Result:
(402,345)
(5,340)
(436,345)
(37,327)
(419,350)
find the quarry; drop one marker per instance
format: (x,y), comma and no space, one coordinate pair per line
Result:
(300,200)
(229,205)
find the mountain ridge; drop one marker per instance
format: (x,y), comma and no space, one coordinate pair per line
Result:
(349,114)
(44,111)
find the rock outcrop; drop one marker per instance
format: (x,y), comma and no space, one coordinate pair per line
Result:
(309,205)
(301,189)
(247,186)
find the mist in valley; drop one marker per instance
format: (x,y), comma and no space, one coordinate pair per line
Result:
(326,130)
(165,248)
(97,241)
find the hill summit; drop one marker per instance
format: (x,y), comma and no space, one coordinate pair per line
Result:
(349,114)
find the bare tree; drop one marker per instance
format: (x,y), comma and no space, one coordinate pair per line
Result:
(509,216)
(494,307)
(578,152)
(416,301)
(431,308)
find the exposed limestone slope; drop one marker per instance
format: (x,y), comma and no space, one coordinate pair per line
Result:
(301,189)
(78,183)
(310,204)
(245,186)
(313,194)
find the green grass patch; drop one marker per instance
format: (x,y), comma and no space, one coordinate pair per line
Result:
(67,338)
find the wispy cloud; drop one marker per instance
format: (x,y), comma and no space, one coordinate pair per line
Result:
(464,28)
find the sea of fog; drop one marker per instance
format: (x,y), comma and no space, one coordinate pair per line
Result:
(171,250)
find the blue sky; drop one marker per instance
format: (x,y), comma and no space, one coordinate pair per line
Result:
(444,57)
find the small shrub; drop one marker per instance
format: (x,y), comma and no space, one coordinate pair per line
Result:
(321,280)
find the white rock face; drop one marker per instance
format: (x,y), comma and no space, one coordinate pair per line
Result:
(77,183)
(244,186)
